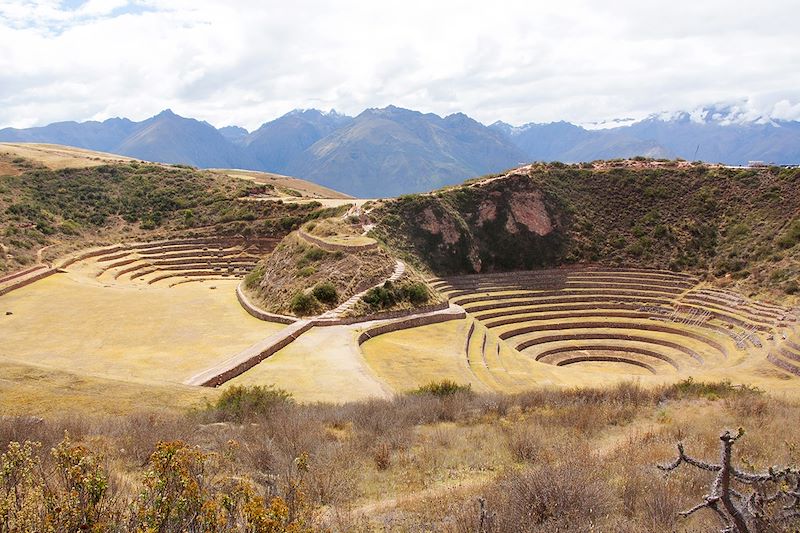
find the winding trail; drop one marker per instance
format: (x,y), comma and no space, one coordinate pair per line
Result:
(399,270)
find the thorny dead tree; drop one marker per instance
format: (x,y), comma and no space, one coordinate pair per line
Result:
(768,501)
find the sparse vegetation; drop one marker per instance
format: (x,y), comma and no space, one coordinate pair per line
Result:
(303,304)
(580,459)
(325,293)
(611,214)
(73,207)
(389,294)
(443,388)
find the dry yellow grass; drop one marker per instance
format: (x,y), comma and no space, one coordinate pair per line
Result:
(279,181)
(56,156)
(32,390)
(158,334)
(410,358)
(324,365)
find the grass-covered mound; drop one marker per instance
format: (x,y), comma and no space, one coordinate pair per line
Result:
(736,225)
(338,232)
(77,207)
(303,279)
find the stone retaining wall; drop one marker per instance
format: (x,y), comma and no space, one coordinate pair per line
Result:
(332,247)
(596,291)
(385,315)
(587,314)
(609,336)
(260,313)
(610,348)
(121,263)
(570,300)
(27,281)
(607,359)
(789,354)
(243,367)
(479,284)
(614,325)
(111,257)
(91,253)
(742,309)
(20,273)
(785,365)
(744,324)
(191,274)
(564,272)
(469,338)
(410,323)
(564,308)
(573,282)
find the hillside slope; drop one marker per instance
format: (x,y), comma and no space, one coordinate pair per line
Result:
(392,151)
(64,209)
(277,144)
(738,225)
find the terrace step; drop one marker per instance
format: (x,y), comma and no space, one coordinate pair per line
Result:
(607,359)
(783,364)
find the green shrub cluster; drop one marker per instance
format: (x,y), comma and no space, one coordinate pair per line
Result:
(325,293)
(388,295)
(443,388)
(303,304)
(237,403)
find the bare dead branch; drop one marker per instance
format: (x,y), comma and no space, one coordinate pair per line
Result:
(772,497)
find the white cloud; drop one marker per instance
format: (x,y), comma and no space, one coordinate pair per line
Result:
(248,61)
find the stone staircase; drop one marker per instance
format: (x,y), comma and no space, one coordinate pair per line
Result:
(399,270)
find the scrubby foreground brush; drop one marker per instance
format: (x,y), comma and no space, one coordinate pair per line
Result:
(440,459)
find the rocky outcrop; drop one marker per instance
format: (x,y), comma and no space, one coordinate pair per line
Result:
(490,225)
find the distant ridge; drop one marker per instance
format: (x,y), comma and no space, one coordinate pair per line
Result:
(391,151)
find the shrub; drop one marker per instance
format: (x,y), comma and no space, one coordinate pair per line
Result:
(712,391)
(306,271)
(325,293)
(389,294)
(380,297)
(311,255)
(551,498)
(382,456)
(791,287)
(238,403)
(443,388)
(303,304)
(416,293)
(253,278)
(792,235)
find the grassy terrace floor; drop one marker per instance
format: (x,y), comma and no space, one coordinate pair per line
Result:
(66,322)
(324,364)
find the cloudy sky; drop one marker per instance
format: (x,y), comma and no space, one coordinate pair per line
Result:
(248,61)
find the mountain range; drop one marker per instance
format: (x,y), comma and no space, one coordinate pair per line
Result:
(391,151)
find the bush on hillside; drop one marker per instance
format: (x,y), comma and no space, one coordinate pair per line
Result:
(389,294)
(792,235)
(443,388)
(325,293)
(238,403)
(303,304)
(416,293)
